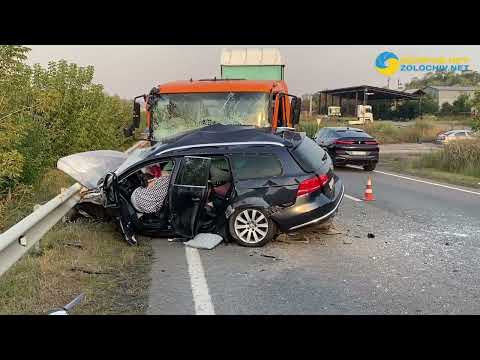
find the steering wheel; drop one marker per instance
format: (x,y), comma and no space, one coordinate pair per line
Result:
(143,180)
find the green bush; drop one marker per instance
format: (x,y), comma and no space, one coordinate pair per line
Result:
(476,124)
(50,112)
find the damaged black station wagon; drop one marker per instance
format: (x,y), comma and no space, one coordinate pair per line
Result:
(236,181)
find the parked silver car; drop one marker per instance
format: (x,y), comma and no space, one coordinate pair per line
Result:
(452,135)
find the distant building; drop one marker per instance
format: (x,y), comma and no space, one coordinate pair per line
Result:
(419,92)
(448,94)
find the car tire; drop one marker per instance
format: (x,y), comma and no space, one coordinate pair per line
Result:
(248,233)
(370,167)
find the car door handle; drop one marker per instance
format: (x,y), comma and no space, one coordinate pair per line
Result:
(195,199)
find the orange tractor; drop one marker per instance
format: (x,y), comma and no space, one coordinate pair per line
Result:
(185,105)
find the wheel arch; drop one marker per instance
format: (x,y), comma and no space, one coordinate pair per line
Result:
(249,202)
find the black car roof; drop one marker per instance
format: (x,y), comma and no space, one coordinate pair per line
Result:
(219,135)
(344,128)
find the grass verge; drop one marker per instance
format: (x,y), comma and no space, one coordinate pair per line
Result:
(79,257)
(408,164)
(76,257)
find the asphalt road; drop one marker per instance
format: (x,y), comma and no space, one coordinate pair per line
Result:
(424,259)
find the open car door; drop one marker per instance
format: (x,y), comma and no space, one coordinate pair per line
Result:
(188,194)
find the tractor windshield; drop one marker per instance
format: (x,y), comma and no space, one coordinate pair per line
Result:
(174,113)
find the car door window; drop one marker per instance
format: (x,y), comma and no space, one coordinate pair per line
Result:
(460,134)
(194,172)
(219,171)
(252,166)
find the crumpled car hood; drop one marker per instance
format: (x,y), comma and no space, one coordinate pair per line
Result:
(89,167)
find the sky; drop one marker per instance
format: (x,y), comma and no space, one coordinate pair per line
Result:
(131,70)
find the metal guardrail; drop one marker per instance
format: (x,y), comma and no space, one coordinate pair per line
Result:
(19,239)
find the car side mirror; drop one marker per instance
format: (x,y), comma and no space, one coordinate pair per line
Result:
(135,120)
(295,108)
(136,114)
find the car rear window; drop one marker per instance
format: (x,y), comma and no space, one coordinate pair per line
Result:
(309,155)
(352,133)
(251,166)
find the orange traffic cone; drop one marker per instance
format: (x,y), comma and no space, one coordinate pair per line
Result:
(368,196)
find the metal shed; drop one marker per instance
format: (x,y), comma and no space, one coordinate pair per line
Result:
(349,97)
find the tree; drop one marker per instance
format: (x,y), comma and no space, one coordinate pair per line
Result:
(445,78)
(462,104)
(406,109)
(476,107)
(47,113)
(429,105)
(446,109)
(14,98)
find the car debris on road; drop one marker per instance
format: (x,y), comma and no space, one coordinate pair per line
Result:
(204,241)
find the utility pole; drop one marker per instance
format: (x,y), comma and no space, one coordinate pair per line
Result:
(311,105)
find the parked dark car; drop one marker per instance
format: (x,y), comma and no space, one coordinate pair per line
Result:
(349,146)
(235,181)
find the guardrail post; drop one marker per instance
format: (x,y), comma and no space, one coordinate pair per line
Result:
(37,248)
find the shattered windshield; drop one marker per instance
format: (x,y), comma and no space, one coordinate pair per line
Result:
(174,113)
(137,155)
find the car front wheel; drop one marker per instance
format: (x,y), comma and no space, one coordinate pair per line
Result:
(251,227)
(370,167)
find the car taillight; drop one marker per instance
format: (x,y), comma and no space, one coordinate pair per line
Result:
(371,142)
(310,185)
(348,142)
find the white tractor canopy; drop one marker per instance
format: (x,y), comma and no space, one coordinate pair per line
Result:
(251,56)
(252,64)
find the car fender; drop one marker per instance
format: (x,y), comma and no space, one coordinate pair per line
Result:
(251,202)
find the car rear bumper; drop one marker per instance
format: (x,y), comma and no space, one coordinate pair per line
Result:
(345,159)
(312,209)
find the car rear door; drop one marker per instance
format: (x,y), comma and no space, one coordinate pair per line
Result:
(188,194)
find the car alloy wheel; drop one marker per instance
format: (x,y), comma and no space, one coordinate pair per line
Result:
(251,226)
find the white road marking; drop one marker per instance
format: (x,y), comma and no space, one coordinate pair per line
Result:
(352,198)
(201,296)
(428,182)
